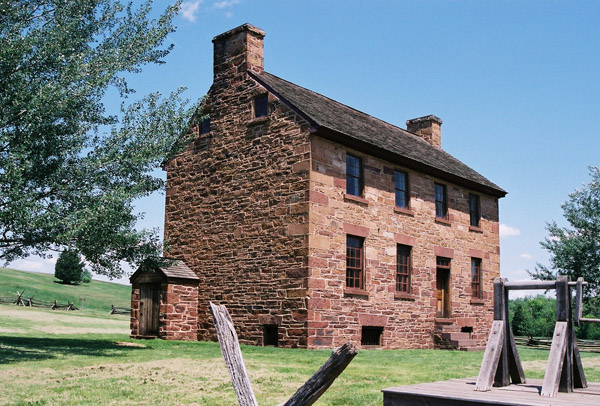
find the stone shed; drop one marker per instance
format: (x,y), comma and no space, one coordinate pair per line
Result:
(164,302)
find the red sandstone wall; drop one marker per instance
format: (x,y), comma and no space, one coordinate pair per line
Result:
(237,213)
(336,314)
(179,311)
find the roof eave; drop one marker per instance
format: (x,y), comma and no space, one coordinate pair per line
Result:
(374,150)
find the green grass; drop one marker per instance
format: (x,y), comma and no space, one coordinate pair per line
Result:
(73,367)
(98,295)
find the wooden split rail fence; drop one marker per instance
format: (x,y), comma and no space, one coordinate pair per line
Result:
(19,300)
(119,310)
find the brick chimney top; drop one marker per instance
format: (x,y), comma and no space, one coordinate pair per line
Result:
(428,127)
(240,48)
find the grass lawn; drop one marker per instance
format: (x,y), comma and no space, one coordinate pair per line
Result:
(63,358)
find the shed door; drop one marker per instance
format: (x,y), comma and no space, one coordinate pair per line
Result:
(149,309)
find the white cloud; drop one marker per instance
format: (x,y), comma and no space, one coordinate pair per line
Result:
(526,255)
(189,9)
(226,3)
(508,231)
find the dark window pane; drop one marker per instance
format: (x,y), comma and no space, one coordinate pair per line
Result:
(474,210)
(441,206)
(476,277)
(354,181)
(401,189)
(205,126)
(403,269)
(261,106)
(443,262)
(354,262)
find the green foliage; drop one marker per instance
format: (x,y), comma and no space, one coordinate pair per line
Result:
(98,295)
(65,181)
(575,251)
(533,316)
(536,317)
(86,276)
(69,268)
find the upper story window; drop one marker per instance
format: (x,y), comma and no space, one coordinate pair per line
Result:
(354,175)
(474,210)
(441,202)
(261,106)
(476,277)
(205,126)
(354,261)
(401,189)
(403,268)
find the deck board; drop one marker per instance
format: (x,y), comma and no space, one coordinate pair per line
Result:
(462,392)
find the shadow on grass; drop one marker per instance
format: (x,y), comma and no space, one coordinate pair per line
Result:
(22,349)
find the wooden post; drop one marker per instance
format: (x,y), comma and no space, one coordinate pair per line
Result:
(232,354)
(502,377)
(563,313)
(493,349)
(555,360)
(324,377)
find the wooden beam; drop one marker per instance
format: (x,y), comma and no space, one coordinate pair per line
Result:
(578,301)
(491,357)
(555,360)
(324,377)
(232,354)
(579,380)
(502,377)
(517,375)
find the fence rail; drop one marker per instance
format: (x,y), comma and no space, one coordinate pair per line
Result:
(584,345)
(19,300)
(119,310)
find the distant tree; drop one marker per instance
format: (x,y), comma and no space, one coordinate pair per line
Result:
(575,250)
(69,268)
(69,171)
(86,276)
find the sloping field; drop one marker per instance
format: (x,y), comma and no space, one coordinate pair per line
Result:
(98,295)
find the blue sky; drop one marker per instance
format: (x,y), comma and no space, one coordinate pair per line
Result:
(517,84)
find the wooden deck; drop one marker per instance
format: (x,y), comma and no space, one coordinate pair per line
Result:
(457,392)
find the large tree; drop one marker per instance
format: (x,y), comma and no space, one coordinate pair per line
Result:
(69,171)
(575,250)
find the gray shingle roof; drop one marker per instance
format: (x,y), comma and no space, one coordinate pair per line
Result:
(178,269)
(344,124)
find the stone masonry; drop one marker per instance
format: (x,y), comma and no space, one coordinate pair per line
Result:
(257,208)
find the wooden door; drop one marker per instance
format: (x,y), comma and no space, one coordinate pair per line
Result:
(443,293)
(149,309)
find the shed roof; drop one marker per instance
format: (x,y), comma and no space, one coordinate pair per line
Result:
(173,269)
(361,131)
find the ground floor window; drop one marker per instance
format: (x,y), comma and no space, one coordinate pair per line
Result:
(270,335)
(371,335)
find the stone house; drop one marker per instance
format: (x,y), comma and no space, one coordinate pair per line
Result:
(317,224)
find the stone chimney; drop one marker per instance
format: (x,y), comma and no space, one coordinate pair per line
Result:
(239,50)
(429,128)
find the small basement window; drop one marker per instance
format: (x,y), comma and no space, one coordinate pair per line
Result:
(261,106)
(271,335)
(371,335)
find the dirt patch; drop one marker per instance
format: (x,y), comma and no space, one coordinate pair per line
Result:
(126,344)
(81,330)
(12,331)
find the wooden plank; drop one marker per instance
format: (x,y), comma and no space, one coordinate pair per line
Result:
(517,375)
(579,380)
(563,313)
(324,377)
(502,377)
(555,360)
(578,301)
(491,357)
(232,354)
(457,392)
